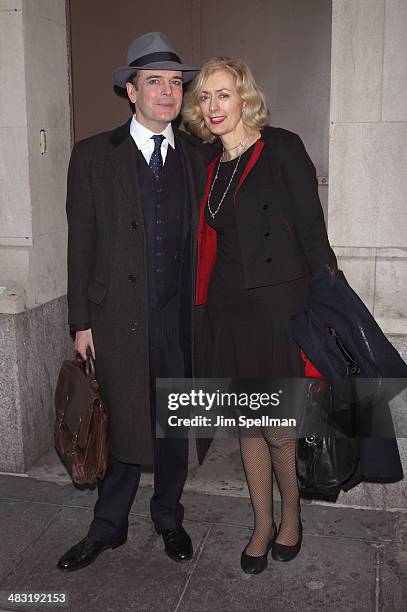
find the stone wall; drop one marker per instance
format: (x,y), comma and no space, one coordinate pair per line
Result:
(35,144)
(367,212)
(367,218)
(33,345)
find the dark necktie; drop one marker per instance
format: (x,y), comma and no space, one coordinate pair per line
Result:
(156,160)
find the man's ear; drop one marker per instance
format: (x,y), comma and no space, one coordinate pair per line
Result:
(131,92)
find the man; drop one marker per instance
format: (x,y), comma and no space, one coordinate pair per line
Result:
(131,197)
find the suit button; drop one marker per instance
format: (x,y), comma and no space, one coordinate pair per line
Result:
(133,225)
(268,260)
(133,327)
(265,206)
(159,189)
(132,278)
(266,234)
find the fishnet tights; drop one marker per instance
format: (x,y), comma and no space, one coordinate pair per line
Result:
(274,450)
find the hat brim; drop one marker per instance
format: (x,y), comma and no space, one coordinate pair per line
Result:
(121,74)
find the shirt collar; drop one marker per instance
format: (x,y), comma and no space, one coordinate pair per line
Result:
(141,135)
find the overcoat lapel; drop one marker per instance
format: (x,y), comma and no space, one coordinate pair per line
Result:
(124,164)
(192,179)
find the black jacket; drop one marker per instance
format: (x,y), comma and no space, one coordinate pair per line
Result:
(280,196)
(279,218)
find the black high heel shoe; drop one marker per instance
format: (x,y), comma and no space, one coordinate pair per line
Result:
(282,552)
(255,565)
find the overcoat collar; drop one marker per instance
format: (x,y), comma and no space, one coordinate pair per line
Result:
(120,133)
(123,159)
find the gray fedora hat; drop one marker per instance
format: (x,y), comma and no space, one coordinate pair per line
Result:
(149,51)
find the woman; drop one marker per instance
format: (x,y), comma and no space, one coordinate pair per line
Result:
(261,231)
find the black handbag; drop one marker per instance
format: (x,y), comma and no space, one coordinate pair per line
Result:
(327,451)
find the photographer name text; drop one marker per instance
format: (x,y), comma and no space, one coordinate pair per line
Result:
(221,421)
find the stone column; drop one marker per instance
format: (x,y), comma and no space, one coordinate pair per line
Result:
(35,143)
(367,212)
(367,218)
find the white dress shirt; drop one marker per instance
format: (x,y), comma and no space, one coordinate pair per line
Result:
(145,144)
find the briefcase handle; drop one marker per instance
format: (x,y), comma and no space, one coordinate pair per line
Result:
(90,369)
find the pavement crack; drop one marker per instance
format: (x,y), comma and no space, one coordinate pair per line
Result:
(379,552)
(191,571)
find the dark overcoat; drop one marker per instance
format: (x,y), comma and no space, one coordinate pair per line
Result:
(107,249)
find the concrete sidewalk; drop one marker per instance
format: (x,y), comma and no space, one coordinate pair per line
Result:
(351,559)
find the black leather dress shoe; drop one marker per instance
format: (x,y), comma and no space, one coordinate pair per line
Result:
(84,553)
(178,545)
(282,552)
(256,565)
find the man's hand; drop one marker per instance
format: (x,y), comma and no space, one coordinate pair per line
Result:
(83,340)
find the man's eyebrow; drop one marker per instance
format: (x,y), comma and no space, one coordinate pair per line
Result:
(160,76)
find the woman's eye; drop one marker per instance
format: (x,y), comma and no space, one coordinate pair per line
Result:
(204,98)
(223,96)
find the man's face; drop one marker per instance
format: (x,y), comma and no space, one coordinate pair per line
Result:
(157,97)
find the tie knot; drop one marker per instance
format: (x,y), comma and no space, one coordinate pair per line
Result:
(158,139)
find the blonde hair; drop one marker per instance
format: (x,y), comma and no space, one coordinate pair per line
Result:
(255,112)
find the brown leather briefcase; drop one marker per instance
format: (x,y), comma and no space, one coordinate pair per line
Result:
(81,426)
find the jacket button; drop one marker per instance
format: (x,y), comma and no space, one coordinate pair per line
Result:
(132,278)
(133,225)
(133,327)
(266,234)
(268,260)
(265,206)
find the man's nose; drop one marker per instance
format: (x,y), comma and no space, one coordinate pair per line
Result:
(166,89)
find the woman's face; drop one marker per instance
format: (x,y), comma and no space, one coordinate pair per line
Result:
(221,105)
